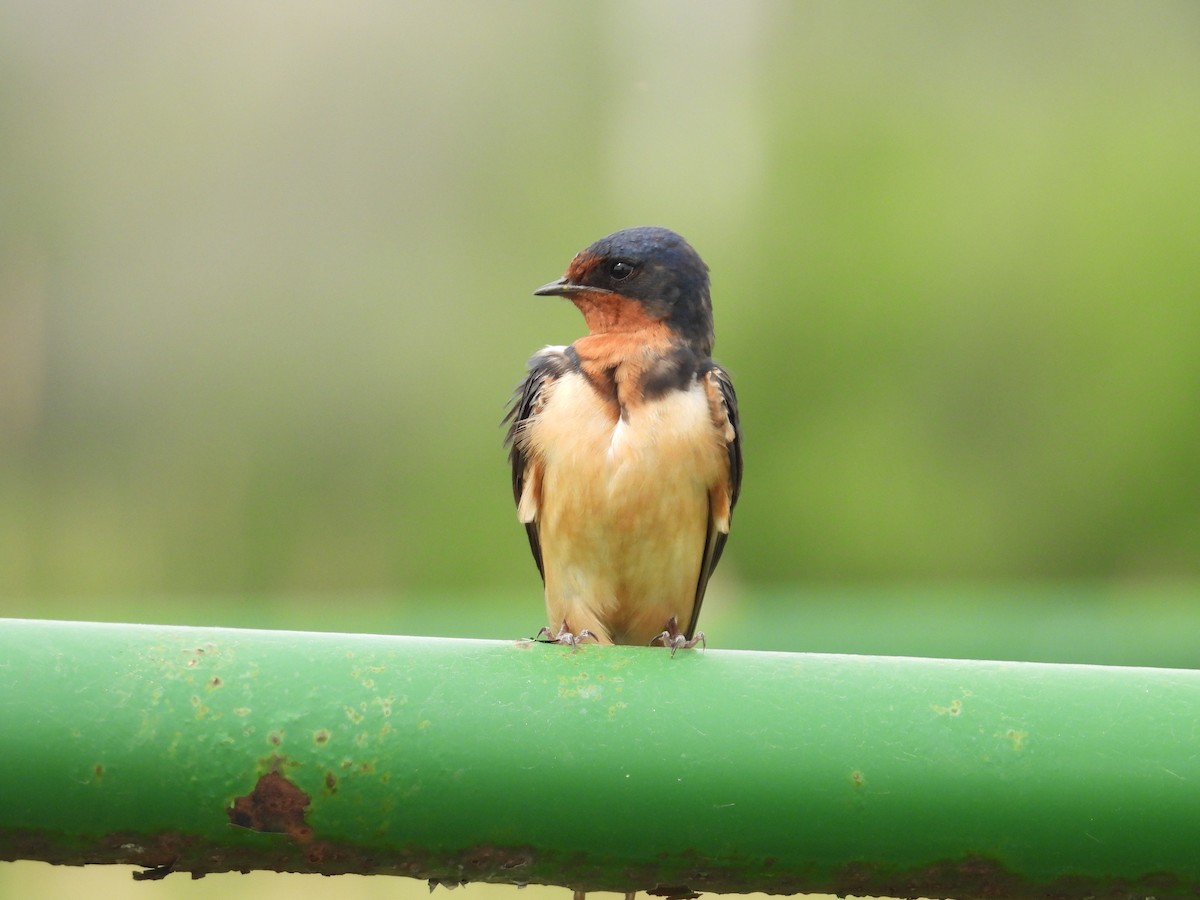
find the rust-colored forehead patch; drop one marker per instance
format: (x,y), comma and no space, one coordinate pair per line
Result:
(581,266)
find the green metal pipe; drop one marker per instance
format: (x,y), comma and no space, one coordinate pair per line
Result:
(610,768)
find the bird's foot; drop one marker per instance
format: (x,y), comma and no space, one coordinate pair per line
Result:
(564,636)
(675,639)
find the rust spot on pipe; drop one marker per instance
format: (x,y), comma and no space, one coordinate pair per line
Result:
(984,878)
(954,709)
(158,873)
(280,806)
(673,892)
(275,806)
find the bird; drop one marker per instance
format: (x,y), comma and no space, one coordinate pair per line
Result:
(626,447)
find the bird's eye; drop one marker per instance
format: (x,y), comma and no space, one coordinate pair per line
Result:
(619,270)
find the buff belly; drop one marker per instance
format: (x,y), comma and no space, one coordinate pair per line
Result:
(624,508)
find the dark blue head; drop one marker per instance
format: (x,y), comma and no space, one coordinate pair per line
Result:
(654,267)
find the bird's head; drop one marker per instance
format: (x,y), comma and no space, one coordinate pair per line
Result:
(638,277)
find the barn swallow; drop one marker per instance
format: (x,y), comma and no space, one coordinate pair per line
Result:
(626,447)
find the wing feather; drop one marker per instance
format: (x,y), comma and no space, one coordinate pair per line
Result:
(526,402)
(723,497)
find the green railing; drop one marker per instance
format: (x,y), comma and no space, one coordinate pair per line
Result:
(613,768)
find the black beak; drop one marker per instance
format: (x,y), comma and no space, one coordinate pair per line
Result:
(565,287)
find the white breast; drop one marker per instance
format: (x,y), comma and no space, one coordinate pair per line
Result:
(624,508)
(669,440)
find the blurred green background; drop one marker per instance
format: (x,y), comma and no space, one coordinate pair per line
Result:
(264,291)
(265,277)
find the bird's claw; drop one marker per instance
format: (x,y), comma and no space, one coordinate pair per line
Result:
(564,636)
(675,639)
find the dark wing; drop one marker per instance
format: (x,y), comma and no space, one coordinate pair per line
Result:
(733,446)
(723,406)
(526,402)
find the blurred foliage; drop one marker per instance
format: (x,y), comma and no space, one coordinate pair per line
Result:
(264,289)
(265,275)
